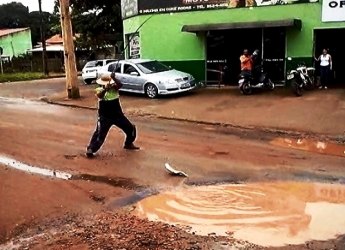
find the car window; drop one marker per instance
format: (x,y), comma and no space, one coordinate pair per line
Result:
(116,66)
(109,61)
(128,69)
(99,64)
(90,64)
(152,67)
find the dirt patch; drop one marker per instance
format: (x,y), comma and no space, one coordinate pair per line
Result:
(112,231)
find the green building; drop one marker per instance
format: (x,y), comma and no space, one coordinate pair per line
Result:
(15,42)
(205,37)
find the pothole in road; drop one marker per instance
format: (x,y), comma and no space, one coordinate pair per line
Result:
(311,146)
(266,214)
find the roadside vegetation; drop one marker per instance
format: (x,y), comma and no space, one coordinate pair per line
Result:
(14,77)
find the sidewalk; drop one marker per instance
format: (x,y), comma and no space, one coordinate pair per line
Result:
(318,111)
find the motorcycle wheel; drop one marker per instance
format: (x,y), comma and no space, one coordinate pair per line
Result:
(310,85)
(270,84)
(296,89)
(246,89)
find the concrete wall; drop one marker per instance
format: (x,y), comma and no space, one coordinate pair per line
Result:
(16,44)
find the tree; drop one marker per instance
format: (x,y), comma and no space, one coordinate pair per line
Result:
(14,15)
(34,22)
(99,23)
(70,65)
(20,17)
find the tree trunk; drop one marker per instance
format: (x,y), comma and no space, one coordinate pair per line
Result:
(69,53)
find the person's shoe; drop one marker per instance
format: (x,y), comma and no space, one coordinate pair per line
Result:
(131,147)
(326,87)
(89,153)
(320,87)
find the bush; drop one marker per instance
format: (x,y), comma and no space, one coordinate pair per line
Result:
(15,77)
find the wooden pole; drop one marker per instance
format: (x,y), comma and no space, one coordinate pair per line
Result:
(69,53)
(43,40)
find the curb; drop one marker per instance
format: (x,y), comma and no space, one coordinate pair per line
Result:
(291,133)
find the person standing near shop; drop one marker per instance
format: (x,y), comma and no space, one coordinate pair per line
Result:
(110,113)
(325,60)
(246,62)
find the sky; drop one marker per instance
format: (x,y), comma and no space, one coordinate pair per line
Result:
(47,5)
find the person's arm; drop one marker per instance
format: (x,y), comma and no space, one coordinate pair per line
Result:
(317,59)
(330,62)
(118,84)
(245,59)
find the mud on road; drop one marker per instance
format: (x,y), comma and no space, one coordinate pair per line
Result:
(86,212)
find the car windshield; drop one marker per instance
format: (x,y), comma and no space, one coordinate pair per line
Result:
(152,67)
(91,64)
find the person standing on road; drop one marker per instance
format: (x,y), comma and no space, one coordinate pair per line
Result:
(246,62)
(325,60)
(110,113)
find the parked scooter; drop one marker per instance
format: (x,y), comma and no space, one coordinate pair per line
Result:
(301,78)
(257,79)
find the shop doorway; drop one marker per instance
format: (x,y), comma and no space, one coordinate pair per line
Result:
(333,40)
(224,48)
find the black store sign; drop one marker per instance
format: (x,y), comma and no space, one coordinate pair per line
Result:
(166,6)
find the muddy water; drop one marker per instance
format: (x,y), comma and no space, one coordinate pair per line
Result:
(311,146)
(267,214)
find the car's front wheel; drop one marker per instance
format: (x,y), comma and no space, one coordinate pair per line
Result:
(151,90)
(88,81)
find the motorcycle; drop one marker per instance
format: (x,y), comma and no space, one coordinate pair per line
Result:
(255,79)
(247,82)
(302,78)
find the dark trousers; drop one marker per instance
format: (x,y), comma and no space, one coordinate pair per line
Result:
(102,129)
(324,75)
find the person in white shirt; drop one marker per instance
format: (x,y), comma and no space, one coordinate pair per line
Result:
(325,60)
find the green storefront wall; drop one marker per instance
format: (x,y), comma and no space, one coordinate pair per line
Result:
(161,37)
(16,44)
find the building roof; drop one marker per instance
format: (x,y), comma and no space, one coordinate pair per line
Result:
(6,32)
(57,39)
(49,48)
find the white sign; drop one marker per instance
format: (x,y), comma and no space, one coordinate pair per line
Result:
(333,10)
(134,46)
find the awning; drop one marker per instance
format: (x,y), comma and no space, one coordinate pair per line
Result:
(297,23)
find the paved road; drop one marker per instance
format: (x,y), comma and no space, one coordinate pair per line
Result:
(55,137)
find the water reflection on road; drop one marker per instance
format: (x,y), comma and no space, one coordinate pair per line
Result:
(267,214)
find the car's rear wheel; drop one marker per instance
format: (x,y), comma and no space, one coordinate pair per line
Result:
(88,81)
(151,90)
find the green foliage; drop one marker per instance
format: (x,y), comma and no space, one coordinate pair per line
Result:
(14,77)
(99,23)
(16,15)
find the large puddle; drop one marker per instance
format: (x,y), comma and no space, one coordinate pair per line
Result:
(311,146)
(266,214)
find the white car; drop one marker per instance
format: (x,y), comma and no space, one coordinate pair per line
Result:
(149,77)
(89,72)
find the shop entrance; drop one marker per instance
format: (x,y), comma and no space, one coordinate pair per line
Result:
(333,40)
(224,48)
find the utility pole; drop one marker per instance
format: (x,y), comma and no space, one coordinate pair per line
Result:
(43,40)
(69,53)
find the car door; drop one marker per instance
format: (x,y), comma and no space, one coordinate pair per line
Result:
(118,68)
(132,77)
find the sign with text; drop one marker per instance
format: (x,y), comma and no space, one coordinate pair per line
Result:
(169,6)
(134,46)
(333,10)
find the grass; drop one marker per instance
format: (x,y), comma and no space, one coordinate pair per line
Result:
(15,77)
